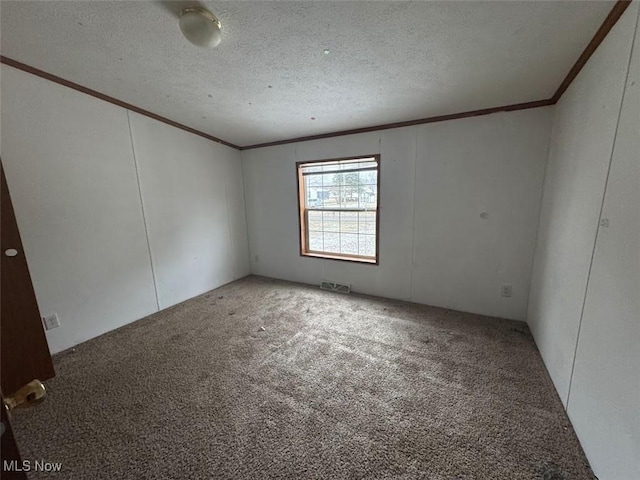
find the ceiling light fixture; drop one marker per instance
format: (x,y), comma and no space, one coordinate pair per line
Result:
(200,27)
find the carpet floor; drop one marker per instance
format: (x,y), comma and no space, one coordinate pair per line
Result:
(269,379)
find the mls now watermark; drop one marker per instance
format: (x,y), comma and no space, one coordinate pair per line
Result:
(29,466)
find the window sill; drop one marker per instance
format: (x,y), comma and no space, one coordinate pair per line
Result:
(344,258)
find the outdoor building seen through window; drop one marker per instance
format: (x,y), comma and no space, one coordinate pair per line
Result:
(338,202)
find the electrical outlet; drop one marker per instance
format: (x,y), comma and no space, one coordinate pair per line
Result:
(51,321)
(505,290)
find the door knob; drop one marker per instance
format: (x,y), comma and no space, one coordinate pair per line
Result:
(27,396)
(11,252)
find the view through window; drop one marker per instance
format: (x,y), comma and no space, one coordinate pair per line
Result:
(339,208)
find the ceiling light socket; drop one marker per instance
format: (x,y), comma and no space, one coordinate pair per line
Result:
(200,27)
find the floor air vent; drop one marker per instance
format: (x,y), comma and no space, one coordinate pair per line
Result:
(335,287)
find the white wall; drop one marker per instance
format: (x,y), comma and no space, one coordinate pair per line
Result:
(604,402)
(491,164)
(581,144)
(72,180)
(586,282)
(436,180)
(194,208)
(71,172)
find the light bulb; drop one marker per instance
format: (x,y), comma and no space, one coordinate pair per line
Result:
(200,27)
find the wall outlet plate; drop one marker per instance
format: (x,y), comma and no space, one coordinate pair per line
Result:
(506,289)
(51,321)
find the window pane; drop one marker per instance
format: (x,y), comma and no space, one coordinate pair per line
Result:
(341,190)
(315,241)
(349,243)
(331,221)
(314,220)
(314,191)
(367,222)
(370,177)
(367,245)
(332,242)
(327,179)
(313,180)
(348,222)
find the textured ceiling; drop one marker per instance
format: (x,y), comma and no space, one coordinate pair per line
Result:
(388,61)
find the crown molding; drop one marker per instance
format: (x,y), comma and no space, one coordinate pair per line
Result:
(409,123)
(75,86)
(606,26)
(613,17)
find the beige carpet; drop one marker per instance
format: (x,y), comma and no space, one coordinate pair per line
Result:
(270,379)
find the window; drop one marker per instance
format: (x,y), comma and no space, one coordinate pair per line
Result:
(338,202)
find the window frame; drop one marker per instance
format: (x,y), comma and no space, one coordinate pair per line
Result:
(303,232)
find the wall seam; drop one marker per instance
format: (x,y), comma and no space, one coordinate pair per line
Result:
(604,193)
(144,216)
(413,211)
(540,202)
(246,214)
(232,248)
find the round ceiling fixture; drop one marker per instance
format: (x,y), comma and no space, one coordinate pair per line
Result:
(200,27)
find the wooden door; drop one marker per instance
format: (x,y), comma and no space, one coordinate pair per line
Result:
(9,454)
(24,352)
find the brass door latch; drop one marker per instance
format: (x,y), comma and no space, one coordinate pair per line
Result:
(27,396)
